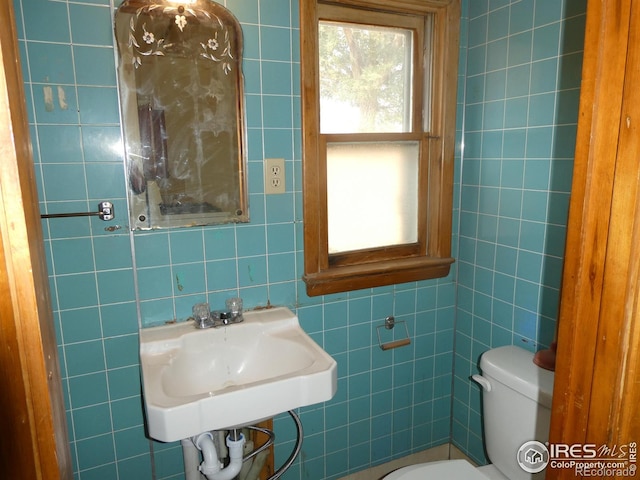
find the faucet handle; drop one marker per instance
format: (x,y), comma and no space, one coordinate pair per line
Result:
(204,322)
(234,306)
(202,315)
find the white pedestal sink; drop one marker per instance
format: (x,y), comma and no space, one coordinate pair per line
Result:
(230,376)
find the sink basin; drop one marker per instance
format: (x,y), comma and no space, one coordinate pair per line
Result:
(230,376)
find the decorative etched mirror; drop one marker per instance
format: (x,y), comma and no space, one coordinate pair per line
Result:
(181,99)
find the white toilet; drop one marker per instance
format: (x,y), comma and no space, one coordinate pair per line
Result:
(517,409)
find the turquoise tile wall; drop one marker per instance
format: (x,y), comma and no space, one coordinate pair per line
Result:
(389,404)
(521,102)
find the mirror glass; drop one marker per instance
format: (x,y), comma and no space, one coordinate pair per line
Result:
(182,105)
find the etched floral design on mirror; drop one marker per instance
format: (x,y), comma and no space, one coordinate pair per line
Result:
(182,106)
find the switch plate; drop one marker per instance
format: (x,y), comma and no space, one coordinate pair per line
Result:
(274,176)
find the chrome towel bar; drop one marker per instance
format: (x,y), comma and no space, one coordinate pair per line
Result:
(105,212)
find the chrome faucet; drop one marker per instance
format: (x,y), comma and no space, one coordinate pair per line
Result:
(221,318)
(205,318)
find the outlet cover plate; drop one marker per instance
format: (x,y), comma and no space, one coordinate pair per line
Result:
(274,176)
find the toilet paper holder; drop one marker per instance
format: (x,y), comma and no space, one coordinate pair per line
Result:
(389,324)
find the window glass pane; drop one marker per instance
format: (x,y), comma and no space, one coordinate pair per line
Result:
(428,73)
(365,78)
(372,192)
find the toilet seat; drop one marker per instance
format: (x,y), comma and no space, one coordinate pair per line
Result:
(449,469)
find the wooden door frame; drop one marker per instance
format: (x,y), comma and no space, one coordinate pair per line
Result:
(597,381)
(33,423)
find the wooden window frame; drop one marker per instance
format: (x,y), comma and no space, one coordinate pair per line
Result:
(430,257)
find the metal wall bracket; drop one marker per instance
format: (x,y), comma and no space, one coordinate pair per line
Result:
(389,322)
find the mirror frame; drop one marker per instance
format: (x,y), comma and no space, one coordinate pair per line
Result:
(140,43)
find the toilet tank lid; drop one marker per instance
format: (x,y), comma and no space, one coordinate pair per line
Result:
(513,366)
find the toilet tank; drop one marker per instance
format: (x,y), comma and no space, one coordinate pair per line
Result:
(517,407)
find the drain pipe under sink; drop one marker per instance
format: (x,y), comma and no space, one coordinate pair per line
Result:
(210,467)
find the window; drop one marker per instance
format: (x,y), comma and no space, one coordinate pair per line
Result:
(378,93)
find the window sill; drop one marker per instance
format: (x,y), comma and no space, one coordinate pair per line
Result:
(357,277)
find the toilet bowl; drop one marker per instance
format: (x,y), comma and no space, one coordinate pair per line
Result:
(449,469)
(517,409)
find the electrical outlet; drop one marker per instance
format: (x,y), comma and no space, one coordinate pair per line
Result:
(274,175)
